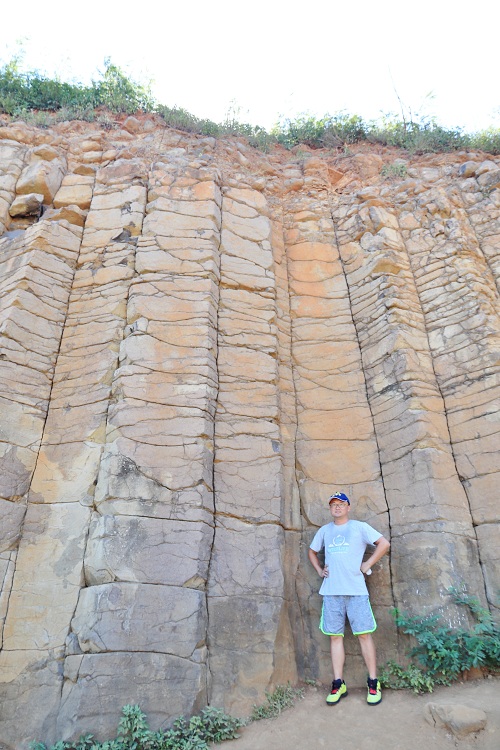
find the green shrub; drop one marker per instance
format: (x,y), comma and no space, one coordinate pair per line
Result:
(20,92)
(396,170)
(118,93)
(486,140)
(133,733)
(181,119)
(284,696)
(330,131)
(441,652)
(32,91)
(423,136)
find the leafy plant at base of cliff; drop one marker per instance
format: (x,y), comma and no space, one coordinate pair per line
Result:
(396,677)
(212,725)
(284,696)
(442,652)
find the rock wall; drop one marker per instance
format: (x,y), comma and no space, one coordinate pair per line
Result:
(200,343)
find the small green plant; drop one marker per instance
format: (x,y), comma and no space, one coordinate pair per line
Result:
(396,170)
(284,696)
(441,652)
(396,677)
(119,93)
(133,729)
(133,733)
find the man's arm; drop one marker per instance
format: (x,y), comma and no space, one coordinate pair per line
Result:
(313,557)
(381,548)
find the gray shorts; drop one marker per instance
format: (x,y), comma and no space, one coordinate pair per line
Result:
(357,609)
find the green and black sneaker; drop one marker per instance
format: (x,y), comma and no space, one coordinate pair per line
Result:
(374,695)
(339,690)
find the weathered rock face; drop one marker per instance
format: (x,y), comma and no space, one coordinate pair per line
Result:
(199,344)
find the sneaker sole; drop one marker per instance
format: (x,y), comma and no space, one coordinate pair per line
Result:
(329,703)
(376,703)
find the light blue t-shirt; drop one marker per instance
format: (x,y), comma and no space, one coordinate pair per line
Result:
(345,546)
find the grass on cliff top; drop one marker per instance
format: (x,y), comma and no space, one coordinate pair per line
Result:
(42,101)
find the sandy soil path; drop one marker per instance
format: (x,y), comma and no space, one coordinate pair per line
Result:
(397,723)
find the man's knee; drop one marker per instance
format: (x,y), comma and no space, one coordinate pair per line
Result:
(365,636)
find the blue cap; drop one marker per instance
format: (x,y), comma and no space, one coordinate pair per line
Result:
(339,496)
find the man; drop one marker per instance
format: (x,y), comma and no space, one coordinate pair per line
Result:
(344,590)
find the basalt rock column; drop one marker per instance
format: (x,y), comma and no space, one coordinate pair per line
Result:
(433,541)
(460,302)
(480,186)
(50,562)
(335,443)
(141,620)
(293,629)
(37,270)
(42,265)
(246,585)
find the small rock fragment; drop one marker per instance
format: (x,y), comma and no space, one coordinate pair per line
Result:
(468,169)
(26,205)
(71,214)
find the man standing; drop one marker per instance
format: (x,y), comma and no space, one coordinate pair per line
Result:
(344,590)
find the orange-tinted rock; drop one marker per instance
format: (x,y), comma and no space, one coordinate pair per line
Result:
(199,344)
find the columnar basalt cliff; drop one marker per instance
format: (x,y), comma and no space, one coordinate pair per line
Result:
(200,342)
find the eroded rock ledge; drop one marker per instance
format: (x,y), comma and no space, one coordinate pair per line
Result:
(199,342)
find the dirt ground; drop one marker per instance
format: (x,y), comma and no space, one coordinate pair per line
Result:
(396,724)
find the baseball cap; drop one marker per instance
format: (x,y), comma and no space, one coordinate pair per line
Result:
(339,496)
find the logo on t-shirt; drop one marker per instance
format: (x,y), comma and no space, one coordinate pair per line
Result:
(338,542)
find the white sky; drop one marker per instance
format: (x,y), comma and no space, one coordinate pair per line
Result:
(277,58)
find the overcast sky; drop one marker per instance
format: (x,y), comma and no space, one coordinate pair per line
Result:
(273,59)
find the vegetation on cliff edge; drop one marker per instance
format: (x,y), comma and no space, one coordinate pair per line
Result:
(41,100)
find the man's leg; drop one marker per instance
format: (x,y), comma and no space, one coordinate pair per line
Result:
(367,644)
(339,688)
(338,656)
(332,624)
(369,653)
(363,624)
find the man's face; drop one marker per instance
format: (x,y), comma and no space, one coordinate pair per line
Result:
(339,509)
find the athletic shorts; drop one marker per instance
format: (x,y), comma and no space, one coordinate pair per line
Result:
(357,609)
